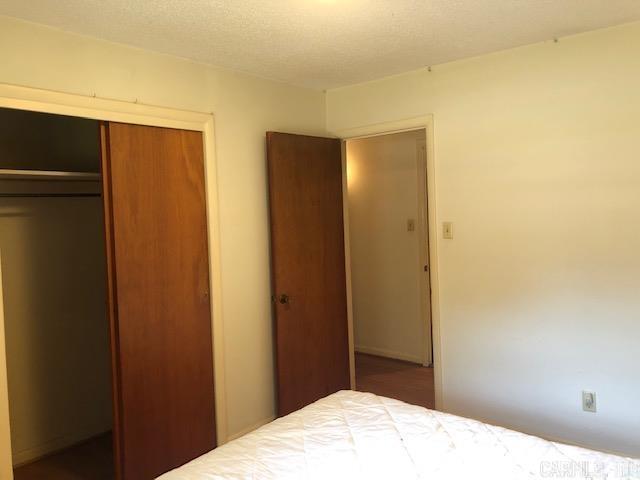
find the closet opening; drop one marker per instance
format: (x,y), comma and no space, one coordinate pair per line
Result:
(53,280)
(386,194)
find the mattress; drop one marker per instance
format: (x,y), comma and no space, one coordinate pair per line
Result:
(354,435)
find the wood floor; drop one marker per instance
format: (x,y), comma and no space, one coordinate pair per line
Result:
(409,382)
(91,460)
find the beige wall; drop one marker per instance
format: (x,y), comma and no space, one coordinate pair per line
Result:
(383,196)
(56,328)
(536,161)
(244,107)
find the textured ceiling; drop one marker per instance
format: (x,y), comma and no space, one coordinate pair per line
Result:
(325,43)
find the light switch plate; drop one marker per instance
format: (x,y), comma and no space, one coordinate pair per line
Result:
(589,401)
(447,230)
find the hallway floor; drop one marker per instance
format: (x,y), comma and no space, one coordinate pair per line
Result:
(409,382)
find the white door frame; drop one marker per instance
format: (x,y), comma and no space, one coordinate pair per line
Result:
(6,460)
(47,101)
(425,263)
(426,123)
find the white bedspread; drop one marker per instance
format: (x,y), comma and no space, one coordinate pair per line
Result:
(353,435)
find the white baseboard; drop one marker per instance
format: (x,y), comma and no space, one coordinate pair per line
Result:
(381,352)
(31,454)
(250,429)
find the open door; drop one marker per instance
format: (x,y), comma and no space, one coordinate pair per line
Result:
(159,307)
(308,268)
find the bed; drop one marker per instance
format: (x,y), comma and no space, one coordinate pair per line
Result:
(354,435)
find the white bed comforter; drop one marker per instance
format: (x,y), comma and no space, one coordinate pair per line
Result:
(353,435)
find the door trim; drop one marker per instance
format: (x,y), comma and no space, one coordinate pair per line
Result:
(373,130)
(93,107)
(6,460)
(425,263)
(347,265)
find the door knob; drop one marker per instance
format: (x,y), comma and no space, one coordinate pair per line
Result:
(283,299)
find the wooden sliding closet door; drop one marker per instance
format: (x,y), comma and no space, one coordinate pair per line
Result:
(160,317)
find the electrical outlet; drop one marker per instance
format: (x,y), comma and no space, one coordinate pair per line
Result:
(589,401)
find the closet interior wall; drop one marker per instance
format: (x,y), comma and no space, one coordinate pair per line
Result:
(54,281)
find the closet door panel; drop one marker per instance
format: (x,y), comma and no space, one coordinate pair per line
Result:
(159,297)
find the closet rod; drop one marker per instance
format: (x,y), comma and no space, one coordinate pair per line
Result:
(48,195)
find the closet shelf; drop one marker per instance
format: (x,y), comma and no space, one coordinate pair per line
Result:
(8,174)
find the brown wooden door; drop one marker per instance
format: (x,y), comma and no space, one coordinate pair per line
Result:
(308,268)
(158,268)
